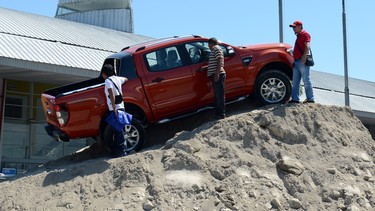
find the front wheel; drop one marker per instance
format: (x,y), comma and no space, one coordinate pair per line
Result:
(134,135)
(273,87)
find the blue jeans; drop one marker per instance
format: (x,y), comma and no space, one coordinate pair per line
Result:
(301,71)
(218,87)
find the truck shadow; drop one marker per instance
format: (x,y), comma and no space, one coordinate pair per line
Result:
(158,134)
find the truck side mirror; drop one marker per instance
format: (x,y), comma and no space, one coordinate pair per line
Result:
(231,51)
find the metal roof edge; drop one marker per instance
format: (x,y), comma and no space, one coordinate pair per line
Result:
(364,113)
(45,67)
(364,116)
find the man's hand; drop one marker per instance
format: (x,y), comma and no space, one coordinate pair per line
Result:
(216,77)
(202,69)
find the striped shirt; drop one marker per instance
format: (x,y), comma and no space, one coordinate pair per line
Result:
(215,56)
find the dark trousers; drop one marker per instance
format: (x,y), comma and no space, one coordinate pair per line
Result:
(218,87)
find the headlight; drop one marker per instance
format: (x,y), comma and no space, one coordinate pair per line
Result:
(290,51)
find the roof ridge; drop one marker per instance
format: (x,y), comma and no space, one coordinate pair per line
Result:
(354,94)
(58,41)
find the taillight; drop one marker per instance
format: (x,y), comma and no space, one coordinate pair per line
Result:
(61,114)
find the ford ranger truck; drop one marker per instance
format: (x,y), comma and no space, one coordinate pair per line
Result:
(166,81)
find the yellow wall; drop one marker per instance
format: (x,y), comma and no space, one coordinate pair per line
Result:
(22,88)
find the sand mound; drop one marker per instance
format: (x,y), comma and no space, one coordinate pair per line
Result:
(293,157)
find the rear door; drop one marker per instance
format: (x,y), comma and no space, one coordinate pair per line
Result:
(169,81)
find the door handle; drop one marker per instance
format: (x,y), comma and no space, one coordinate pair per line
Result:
(157,80)
(202,69)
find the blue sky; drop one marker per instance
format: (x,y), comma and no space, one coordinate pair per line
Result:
(252,21)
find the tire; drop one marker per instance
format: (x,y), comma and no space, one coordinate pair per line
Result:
(273,87)
(134,135)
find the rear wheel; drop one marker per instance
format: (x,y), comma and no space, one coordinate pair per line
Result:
(273,87)
(134,135)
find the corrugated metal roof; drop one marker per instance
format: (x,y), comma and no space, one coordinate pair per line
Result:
(336,83)
(66,32)
(51,49)
(358,103)
(329,90)
(40,51)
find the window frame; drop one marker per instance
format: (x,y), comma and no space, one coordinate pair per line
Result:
(180,58)
(22,108)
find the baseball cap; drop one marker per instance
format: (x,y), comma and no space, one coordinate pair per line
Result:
(296,23)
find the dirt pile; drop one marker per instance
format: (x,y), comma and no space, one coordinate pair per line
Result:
(286,157)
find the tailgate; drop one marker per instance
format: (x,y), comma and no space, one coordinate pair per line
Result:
(48,102)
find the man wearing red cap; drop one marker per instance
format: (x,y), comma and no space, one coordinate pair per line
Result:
(300,69)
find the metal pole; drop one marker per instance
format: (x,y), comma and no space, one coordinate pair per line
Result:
(2,109)
(281,21)
(345,55)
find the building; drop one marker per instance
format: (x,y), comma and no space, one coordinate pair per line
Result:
(38,53)
(112,14)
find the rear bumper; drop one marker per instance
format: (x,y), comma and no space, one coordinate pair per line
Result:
(56,133)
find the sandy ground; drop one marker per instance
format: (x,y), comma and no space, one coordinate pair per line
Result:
(284,157)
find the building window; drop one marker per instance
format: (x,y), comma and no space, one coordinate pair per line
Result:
(14,108)
(64,11)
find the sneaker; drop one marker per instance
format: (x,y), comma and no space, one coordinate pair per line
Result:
(292,101)
(308,101)
(119,155)
(218,117)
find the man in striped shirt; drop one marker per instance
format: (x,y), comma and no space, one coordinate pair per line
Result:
(216,73)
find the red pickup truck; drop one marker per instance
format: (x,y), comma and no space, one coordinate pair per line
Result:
(165,82)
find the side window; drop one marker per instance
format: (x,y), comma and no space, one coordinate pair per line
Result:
(115,63)
(228,51)
(163,59)
(157,60)
(225,51)
(173,58)
(194,53)
(198,51)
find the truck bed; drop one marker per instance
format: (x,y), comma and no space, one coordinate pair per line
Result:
(75,87)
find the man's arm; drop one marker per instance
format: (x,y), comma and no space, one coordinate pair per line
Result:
(112,98)
(220,60)
(125,80)
(305,53)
